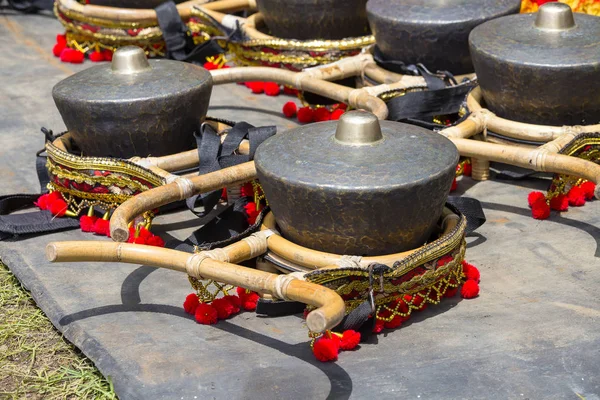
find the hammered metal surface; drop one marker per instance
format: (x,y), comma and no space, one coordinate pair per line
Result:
(365,200)
(539,76)
(432,32)
(315,19)
(151,113)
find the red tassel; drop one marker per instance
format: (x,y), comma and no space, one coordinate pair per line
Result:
(559,202)
(139,240)
(471,271)
(108,54)
(256,87)
(469,290)
(58,48)
(342,106)
(290,109)
(248,299)
(247,190)
(467,169)
(305,115)
(96,56)
(272,89)
(191,303)
(210,66)
(336,114)
(61,39)
(454,185)
(235,302)
(224,308)
(206,314)
(87,223)
(350,339)
(576,196)
(290,91)
(393,323)
(588,189)
(252,212)
(326,349)
(58,207)
(540,210)
(379,324)
(102,227)
(535,197)
(322,114)
(155,240)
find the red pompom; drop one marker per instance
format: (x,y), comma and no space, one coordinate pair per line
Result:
(206,314)
(350,339)
(469,290)
(560,202)
(290,109)
(379,324)
(224,308)
(451,292)
(535,197)
(191,303)
(155,240)
(454,185)
(576,196)
(87,223)
(42,202)
(305,115)
(71,55)
(342,106)
(144,233)
(540,210)
(58,207)
(326,349)
(322,114)
(252,212)
(336,114)
(139,240)
(96,56)
(467,169)
(210,66)
(271,89)
(58,48)
(52,197)
(248,299)
(256,87)
(290,90)
(471,271)
(235,302)
(108,54)
(588,189)
(77,57)
(393,323)
(102,227)
(61,39)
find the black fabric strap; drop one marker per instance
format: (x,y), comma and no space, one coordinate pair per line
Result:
(428,103)
(471,209)
(178,40)
(279,308)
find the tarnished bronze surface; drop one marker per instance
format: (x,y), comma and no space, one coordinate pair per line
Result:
(542,73)
(432,32)
(340,193)
(315,19)
(136,107)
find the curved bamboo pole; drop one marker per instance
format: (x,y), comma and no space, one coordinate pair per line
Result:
(314,259)
(538,159)
(356,98)
(148,16)
(329,305)
(180,189)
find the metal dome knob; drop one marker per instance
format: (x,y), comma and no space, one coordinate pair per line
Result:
(555,16)
(358,128)
(129,60)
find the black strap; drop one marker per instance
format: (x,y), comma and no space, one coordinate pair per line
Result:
(428,103)
(178,39)
(471,209)
(213,156)
(279,308)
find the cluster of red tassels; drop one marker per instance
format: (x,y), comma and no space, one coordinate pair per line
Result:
(221,308)
(328,346)
(251,208)
(576,197)
(307,115)
(74,56)
(54,203)
(467,169)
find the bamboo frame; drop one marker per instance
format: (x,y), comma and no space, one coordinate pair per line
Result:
(329,305)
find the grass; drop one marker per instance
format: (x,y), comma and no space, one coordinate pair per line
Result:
(36,362)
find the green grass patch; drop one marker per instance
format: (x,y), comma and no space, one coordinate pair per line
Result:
(36,362)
